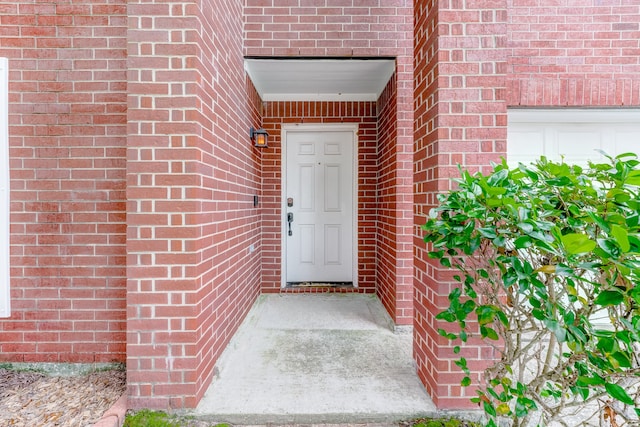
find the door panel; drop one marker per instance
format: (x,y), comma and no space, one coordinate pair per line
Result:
(320,179)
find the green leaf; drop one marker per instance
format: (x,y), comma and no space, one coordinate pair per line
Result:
(523,405)
(585,381)
(497,178)
(625,336)
(488,333)
(522,242)
(622,359)
(557,329)
(448,335)
(489,233)
(525,227)
(633,178)
(494,202)
(461,363)
(576,243)
(503,318)
(538,314)
(635,243)
(466,381)
(578,333)
(488,408)
(447,316)
(599,221)
(503,409)
(621,236)
(627,154)
(606,344)
(583,392)
(618,393)
(485,313)
(607,298)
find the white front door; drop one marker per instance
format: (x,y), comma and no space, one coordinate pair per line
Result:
(319,205)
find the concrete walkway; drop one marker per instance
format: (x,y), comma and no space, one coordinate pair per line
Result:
(316,358)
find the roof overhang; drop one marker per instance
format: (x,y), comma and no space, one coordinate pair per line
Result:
(320,79)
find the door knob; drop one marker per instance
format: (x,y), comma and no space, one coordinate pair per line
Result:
(290,220)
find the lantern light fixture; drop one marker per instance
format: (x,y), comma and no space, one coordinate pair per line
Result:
(259,137)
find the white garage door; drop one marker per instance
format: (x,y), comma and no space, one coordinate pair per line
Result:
(576,134)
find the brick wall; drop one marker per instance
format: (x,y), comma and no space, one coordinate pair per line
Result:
(67,141)
(574,53)
(460,118)
(192,174)
(395,197)
(274,116)
(327,28)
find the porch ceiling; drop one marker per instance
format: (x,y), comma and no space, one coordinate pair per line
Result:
(320,79)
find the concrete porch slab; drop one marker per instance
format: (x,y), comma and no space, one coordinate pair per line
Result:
(316,358)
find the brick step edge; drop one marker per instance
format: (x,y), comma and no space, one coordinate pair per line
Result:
(114,416)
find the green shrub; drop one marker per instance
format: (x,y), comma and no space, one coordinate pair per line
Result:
(548,257)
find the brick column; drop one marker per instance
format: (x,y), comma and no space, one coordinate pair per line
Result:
(460,118)
(193,237)
(162,194)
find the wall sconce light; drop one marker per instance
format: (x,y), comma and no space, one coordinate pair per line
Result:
(259,137)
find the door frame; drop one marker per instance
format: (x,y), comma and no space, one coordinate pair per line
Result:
(316,127)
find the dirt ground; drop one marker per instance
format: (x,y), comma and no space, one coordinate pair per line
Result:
(34,399)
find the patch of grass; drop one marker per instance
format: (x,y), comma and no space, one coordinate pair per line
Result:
(115,366)
(20,368)
(147,418)
(444,422)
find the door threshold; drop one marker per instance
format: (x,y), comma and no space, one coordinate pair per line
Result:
(294,285)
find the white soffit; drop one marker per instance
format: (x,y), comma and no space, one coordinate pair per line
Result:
(320,79)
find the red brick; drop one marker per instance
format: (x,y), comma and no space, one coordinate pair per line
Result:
(42,94)
(542,77)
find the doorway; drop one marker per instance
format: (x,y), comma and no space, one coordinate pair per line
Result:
(319,205)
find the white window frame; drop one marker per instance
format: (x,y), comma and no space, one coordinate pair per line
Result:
(5,299)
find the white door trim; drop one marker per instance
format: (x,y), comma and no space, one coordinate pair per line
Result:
(316,127)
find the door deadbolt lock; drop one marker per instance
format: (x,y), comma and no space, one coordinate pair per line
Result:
(290,202)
